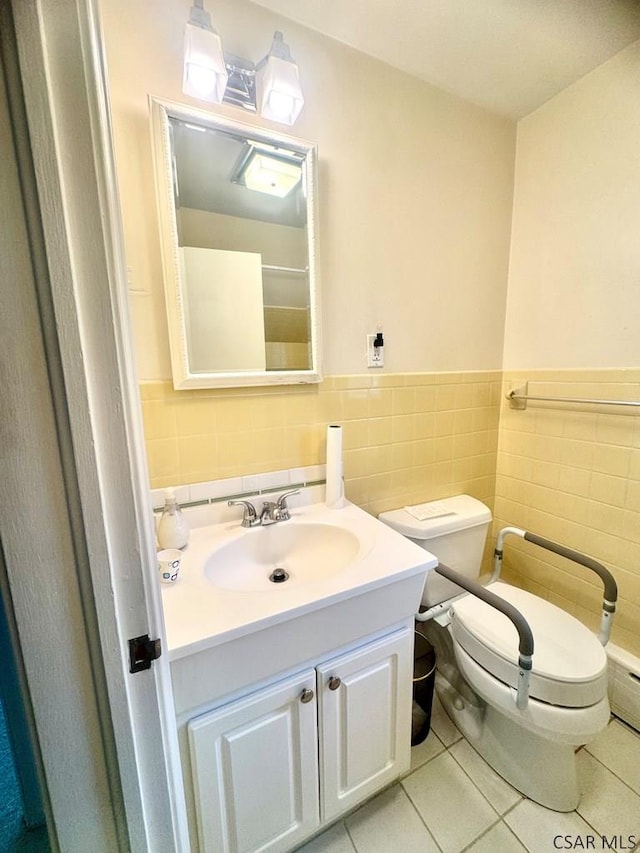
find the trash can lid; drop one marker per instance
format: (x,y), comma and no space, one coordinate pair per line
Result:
(424,658)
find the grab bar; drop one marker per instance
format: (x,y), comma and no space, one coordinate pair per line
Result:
(525,646)
(609,582)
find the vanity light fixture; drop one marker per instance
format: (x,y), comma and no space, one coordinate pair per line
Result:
(211,75)
(266,171)
(281,96)
(205,71)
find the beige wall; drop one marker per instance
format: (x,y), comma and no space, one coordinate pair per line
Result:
(415,190)
(574,281)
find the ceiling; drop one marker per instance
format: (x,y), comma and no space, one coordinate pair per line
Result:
(509,56)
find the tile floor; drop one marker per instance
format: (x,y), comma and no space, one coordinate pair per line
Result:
(451,801)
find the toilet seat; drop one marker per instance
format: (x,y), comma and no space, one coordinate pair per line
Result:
(556,723)
(569,663)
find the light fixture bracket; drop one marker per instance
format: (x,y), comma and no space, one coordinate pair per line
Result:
(279,49)
(199,16)
(241,85)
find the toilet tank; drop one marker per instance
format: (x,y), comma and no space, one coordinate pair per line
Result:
(454,530)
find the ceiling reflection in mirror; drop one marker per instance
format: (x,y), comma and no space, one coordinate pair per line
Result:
(239,279)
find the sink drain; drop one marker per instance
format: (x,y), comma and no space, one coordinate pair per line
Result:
(278,576)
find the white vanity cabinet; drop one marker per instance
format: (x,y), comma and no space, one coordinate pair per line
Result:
(273,767)
(255,769)
(364,719)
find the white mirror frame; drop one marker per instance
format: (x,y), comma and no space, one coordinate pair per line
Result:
(161,112)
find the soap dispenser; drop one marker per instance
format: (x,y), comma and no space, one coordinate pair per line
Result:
(173,530)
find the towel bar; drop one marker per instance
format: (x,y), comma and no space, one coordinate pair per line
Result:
(518,398)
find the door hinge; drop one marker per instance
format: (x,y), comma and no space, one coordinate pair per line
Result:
(142,653)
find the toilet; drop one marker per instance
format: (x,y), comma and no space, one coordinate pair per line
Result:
(532,748)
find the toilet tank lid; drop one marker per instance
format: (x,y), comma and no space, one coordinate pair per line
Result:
(436,518)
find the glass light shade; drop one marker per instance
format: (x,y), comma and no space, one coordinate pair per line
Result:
(271,175)
(280,92)
(205,72)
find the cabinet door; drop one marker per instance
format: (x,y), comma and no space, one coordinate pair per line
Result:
(364,701)
(255,769)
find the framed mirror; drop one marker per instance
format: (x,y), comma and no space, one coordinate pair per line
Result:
(236,207)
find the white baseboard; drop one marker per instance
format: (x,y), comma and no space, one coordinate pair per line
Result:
(624,685)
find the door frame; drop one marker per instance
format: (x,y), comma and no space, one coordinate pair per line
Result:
(57,77)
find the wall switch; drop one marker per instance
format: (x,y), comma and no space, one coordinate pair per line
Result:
(375,355)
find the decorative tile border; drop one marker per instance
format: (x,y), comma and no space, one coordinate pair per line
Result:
(239,488)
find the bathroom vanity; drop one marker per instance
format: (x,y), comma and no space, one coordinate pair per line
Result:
(293,699)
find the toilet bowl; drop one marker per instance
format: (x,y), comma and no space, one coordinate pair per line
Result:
(533,748)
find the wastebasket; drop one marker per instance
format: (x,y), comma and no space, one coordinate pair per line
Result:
(424,677)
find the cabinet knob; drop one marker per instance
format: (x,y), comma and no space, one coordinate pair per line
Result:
(306,695)
(334,683)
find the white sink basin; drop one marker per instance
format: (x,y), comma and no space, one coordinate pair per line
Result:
(282,555)
(331,557)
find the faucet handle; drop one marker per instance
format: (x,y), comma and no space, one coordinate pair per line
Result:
(281,504)
(249,516)
(282,500)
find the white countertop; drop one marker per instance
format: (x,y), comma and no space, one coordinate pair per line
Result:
(199,615)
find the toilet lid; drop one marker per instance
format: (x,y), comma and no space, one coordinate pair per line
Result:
(569,663)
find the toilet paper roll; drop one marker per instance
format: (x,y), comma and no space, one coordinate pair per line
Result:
(335,480)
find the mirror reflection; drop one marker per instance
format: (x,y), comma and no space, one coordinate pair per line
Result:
(241,293)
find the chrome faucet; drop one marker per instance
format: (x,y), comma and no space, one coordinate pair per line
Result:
(267,516)
(249,516)
(271,513)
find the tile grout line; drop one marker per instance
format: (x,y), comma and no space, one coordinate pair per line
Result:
(613,773)
(512,808)
(412,770)
(499,817)
(417,811)
(487,831)
(477,786)
(576,811)
(353,843)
